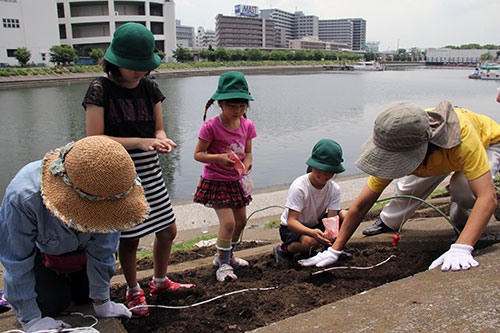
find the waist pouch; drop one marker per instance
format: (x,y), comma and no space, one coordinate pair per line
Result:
(65,263)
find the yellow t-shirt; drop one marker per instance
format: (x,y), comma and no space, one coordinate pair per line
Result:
(476,130)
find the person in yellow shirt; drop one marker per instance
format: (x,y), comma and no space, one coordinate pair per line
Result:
(424,147)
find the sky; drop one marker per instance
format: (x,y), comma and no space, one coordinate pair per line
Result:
(393,23)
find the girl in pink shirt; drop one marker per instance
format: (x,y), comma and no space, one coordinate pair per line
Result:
(225,149)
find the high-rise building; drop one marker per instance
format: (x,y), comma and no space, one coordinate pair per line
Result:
(291,26)
(244,32)
(351,31)
(205,38)
(359,34)
(41,24)
(184,35)
(283,25)
(305,25)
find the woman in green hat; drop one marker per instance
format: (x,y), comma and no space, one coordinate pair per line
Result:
(125,105)
(225,149)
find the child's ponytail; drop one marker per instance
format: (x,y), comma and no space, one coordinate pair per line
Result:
(207,106)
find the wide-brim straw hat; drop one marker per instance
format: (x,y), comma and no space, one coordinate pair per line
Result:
(133,47)
(91,185)
(399,142)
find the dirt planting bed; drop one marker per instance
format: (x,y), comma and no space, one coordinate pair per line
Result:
(296,290)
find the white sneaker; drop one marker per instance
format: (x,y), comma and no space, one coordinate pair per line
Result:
(224,272)
(235,261)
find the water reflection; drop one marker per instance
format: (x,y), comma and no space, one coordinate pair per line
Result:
(291,113)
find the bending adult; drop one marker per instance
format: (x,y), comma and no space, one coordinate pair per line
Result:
(59,228)
(427,146)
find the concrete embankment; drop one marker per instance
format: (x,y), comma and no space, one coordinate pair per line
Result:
(26,81)
(20,81)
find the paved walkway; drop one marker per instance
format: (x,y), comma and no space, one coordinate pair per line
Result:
(430,301)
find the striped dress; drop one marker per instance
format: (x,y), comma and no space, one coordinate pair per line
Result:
(161,215)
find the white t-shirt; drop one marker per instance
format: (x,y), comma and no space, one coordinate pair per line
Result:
(312,203)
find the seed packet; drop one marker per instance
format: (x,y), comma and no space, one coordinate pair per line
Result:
(331,227)
(238,164)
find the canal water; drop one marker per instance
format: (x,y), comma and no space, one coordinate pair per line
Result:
(291,113)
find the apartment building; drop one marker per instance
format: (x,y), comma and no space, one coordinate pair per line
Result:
(28,23)
(40,24)
(305,25)
(291,26)
(295,26)
(283,25)
(184,35)
(244,32)
(351,31)
(205,38)
(91,23)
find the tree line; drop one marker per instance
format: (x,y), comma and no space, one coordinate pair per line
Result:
(182,54)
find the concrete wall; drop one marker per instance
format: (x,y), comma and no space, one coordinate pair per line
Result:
(38,30)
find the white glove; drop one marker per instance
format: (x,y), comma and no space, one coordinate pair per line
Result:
(44,324)
(457,257)
(322,259)
(111,309)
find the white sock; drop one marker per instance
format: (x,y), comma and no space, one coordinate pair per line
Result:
(134,289)
(159,281)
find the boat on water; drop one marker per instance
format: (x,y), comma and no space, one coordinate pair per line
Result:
(367,66)
(488,75)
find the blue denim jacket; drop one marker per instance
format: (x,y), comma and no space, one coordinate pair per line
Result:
(25,224)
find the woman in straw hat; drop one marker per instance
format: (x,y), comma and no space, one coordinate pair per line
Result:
(60,223)
(428,146)
(126,106)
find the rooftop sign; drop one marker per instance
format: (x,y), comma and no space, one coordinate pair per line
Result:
(246,10)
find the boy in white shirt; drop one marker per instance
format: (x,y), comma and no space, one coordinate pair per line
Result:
(311,197)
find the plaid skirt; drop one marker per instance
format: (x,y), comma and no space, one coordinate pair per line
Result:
(221,194)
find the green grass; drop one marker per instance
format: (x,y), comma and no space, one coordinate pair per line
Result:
(436,192)
(188,245)
(273,224)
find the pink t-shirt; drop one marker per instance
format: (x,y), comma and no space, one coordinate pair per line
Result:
(222,141)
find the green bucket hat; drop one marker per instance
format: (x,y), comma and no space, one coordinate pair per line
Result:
(232,85)
(133,48)
(326,156)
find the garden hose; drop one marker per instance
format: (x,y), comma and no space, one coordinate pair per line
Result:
(457,231)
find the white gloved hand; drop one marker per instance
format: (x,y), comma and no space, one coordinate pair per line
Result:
(111,309)
(44,324)
(322,259)
(459,256)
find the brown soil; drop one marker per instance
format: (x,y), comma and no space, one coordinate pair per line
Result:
(296,289)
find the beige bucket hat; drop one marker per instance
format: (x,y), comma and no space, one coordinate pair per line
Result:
(401,135)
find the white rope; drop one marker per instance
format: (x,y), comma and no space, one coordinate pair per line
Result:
(75,329)
(204,302)
(354,267)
